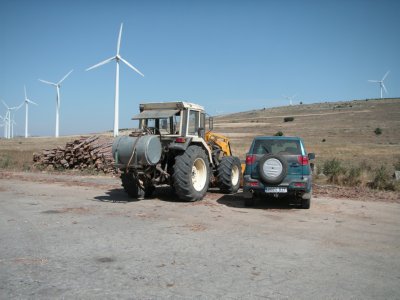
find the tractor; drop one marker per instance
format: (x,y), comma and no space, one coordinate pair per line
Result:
(172,146)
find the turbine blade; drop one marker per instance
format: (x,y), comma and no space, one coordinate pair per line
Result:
(119,38)
(64,77)
(5,104)
(30,101)
(384,88)
(385,75)
(130,66)
(25,91)
(48,82)
(373,80)
(101,63)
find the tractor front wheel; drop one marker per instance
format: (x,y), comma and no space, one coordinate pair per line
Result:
(229,174)
(191,176)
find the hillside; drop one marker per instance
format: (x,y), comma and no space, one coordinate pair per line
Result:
(334,129)
(344,130)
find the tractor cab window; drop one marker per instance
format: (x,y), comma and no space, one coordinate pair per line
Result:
(194,122)
(176,123)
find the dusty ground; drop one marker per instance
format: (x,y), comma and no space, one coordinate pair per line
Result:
(78,237)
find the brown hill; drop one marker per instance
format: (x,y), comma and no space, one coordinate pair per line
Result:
(344,130)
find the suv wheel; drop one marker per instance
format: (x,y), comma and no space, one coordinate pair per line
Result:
(191,174)
(305,203)
(229,174)
(272,168)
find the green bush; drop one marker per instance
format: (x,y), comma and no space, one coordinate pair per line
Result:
(279,133)
(378,131)
(5,162)
(353,176)
(288,119)
(382,179)
(333,169)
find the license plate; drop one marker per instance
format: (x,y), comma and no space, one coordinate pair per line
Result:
(276,190)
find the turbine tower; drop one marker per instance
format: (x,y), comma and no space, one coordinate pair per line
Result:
(27,102)
(3,124)
(58,100)
(381,84)
(117,58)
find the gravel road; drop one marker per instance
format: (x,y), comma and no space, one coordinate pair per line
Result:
(78,237)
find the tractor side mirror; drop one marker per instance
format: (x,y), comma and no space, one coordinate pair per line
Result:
(210,123)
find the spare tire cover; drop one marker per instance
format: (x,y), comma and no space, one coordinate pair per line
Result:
(272,168)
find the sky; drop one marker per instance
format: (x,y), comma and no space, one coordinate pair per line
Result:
(228,56)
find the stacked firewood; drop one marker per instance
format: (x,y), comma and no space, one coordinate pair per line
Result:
(85,153)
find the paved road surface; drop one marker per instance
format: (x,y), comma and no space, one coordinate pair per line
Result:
(64,238)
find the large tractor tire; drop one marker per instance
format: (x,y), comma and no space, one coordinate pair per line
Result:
(191,176)
(130,186)
(229,174)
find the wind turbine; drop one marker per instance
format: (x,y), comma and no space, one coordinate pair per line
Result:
(27,102)
(10,121)
(58,100)
(290,98)
(117,58)
(381,84)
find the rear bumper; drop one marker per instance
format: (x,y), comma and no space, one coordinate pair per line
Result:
(297,186)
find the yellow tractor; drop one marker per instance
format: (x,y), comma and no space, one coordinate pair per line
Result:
(172,146)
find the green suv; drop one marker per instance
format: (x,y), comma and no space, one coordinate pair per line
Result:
(278,167)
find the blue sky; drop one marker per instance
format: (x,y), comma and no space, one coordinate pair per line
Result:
(228,56)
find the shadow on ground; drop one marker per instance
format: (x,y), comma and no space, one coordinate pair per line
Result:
(120,196)
(166,194)
(237,201)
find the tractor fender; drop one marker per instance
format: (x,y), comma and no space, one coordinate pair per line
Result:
(200,141)
(192,141)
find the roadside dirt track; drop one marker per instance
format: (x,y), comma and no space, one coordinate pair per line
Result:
(78,237)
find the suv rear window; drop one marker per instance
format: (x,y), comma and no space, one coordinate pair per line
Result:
(277,146)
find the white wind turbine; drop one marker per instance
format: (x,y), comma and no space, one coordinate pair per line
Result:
(117,58)
(57,85)
(27,102)
(10,121)
(381,84)
(290,98)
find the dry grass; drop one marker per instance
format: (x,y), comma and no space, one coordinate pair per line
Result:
(17,153)
(344,130)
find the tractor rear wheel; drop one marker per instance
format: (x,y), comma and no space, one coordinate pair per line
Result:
(131,187)
(191,176)
(229,174)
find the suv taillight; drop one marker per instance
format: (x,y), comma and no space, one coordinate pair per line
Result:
(303,160)
(250,159)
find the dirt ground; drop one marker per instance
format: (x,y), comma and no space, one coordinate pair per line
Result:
(64,236)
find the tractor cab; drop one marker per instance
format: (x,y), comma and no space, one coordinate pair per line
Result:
(173,118)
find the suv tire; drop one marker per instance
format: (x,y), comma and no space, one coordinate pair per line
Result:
(191,175)
(229,174)
(272,168)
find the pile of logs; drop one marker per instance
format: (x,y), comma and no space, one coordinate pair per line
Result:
(85,153)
